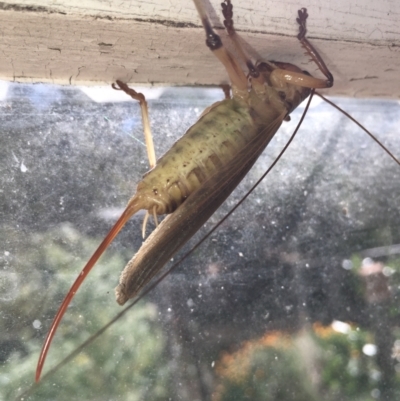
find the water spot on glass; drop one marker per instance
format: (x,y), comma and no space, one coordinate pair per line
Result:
(387,271)
(37,324)
(369,349)
(347,264)
(367,261)
(341,327)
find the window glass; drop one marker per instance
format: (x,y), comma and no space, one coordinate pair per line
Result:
(294,297)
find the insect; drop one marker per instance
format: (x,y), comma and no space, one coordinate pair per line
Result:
(201,169)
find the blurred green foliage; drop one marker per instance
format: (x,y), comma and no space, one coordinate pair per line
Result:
(126,363)
(346,371)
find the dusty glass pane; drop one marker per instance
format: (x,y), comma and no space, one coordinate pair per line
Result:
(294,297)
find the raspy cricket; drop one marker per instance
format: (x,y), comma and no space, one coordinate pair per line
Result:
(202,168)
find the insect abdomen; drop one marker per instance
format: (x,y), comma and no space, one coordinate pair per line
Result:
(208,145)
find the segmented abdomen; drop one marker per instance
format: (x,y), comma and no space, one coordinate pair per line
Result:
(210,143)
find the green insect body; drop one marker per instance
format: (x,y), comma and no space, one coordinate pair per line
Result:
(210,143)
(185,179)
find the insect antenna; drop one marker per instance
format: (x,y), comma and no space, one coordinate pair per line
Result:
(149,288)
(361,126)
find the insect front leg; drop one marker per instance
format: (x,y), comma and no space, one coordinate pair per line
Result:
(301,20)
(280,76)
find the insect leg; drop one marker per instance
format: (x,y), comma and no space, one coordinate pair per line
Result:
(301,20)
(279,76)
(227,11)
(151,154)
(214,43)
(226,89)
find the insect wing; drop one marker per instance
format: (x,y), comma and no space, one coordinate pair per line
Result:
(177,228)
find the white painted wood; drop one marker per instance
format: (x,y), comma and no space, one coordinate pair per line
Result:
(161,41)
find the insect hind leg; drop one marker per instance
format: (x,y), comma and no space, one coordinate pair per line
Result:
(151,154)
